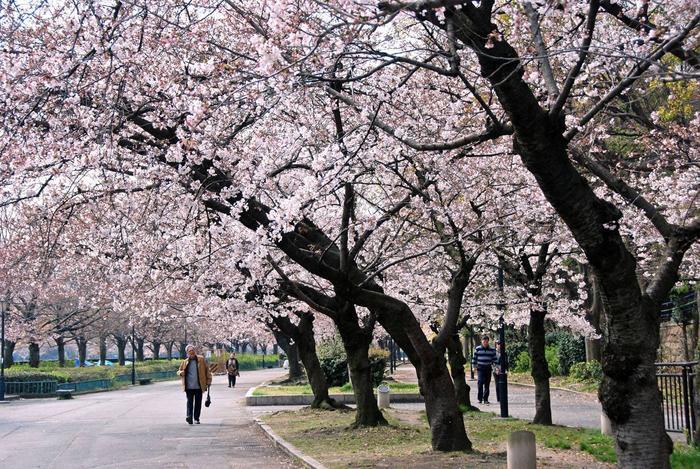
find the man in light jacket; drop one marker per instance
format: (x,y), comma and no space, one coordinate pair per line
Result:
(196,378)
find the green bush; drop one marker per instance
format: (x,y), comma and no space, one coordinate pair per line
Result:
(334,362)
(571,349)
(50,372)
(522,363)
(551,353)
(587,371)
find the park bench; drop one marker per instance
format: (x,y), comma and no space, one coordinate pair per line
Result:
(65,393)
(143,381)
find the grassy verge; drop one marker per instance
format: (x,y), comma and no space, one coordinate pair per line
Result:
(51,372)
(564,382)
(296,389)
(327,436)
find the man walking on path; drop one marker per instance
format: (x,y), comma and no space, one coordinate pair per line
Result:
(232,370)
(484,358)
(196,377)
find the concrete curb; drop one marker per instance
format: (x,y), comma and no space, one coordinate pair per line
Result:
(307,399)
(288,448)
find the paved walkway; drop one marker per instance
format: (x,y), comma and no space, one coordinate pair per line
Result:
(568,408)
(141,426)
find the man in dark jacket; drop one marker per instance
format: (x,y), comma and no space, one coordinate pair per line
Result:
(484,358)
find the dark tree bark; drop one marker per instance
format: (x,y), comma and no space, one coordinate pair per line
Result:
(457,361)
(61,346)
(34,354)
(593,346)
(9,350)
(540,368)
(356,341)
(628,392)
(81,342)
(121,343)
(275,349)
(290,348)
(169,348)
(103,349)
(155,346)
(139,349)
(244,347)
(183,353)
(303,336)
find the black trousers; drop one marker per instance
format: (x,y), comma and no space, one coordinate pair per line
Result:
(194,399)
(483,383)
(232,380)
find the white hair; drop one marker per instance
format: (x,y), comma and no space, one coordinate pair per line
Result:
(190,346)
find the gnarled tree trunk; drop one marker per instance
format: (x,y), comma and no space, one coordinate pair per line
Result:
(61,346)
(156,349)
(9,350)
(121,349)
(290,349)
(540,368)
(34,353)
(82,349)
(139,349)
(103,349)
(457,361)
(356,341)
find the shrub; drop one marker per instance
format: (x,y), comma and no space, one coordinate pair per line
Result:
(334,362)
(572,349)
(377,363)
(587,371)
(522,363)
(551,353)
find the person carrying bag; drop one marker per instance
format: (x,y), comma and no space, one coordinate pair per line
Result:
(232,370)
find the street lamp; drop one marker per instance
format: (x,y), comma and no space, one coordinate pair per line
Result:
(502,381)
(133,355)
(2,353)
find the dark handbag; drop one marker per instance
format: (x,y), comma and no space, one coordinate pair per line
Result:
(207,403)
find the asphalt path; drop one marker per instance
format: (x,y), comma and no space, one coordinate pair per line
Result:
(142,426)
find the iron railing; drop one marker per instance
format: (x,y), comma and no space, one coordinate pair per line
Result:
(49,388)
(676,383)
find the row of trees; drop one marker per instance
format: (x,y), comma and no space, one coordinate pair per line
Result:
(354,165)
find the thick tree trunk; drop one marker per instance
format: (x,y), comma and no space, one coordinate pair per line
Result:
(61,346)
(457,362)
(169,348)
(139,349)
(290,348)
(103,349)
(540,368)
(121,349)
(628,392)
(34,355)
(9,350)
(275,349)
(356,342)
(595,312)
(183,354)
(82,349)
(156,349)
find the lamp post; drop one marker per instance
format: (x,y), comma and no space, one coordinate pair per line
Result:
(502,381)
(133,355)
(2,353)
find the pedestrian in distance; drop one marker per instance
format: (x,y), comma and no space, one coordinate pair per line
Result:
(501,366)
(196,378)
(484,358)
(232,370)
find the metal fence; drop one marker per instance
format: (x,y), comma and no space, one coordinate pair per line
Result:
(676,383)
(31,388)
(49,388)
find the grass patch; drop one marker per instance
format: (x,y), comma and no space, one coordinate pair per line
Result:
(564,382)
(327,436)
(296,389)
(685,457)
